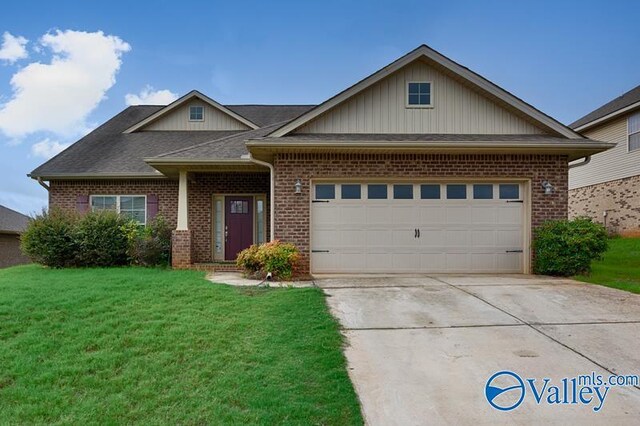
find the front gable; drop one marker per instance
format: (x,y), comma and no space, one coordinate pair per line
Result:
(175,116)
(463,103)
(455,109)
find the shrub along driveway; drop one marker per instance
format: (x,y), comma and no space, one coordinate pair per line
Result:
(133,345)
(422,349)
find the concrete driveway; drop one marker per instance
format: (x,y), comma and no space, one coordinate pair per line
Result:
(421,349)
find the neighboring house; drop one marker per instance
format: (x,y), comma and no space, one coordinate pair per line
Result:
(607,189)
(424,166)
(12,224)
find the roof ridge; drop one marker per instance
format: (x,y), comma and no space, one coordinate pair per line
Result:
(219,140)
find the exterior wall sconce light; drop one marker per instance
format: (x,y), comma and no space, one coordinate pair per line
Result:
(548,188)
(298,187)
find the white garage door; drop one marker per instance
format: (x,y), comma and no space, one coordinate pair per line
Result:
(417,227)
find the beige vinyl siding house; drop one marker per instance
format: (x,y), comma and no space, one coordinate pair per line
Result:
(607,189)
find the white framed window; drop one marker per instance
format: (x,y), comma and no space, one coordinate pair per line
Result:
(634,132)
(419,94)
(131,206)
(196,113)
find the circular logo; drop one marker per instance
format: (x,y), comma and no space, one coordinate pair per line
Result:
(504,390)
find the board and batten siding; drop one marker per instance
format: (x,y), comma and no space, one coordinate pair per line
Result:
(456,109)
(615,163)
(178,119)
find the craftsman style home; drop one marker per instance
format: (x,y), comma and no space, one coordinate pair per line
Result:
(423,166)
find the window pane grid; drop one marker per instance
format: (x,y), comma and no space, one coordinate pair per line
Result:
(133,207)
(419,94)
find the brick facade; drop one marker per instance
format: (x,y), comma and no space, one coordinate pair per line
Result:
(10,253)
(201,187)
(181,249)
(292,210)
(619,198)
(64,193)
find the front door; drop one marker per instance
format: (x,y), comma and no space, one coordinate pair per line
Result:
(238,225)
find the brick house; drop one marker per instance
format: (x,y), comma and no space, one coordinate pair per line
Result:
(12,225)
(607,189)
(423,166)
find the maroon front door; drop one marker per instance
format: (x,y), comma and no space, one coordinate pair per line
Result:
(238,225)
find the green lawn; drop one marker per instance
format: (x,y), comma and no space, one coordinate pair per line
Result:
(151,346)
(620,267)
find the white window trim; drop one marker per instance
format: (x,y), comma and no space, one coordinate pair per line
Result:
(196,106)
(629,133)
(406,94)
(117,197)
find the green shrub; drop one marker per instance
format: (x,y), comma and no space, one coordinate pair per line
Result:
(101,239)
(151,245)
(566,248)
(279,258)
(49,239)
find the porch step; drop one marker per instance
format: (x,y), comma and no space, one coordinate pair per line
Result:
(216,267)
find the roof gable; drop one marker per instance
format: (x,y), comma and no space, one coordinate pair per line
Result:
(495,94)
(175,116)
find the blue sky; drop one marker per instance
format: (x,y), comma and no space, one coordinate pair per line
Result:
(565,58)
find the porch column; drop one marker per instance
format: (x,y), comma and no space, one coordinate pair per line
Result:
(183,201)
(181,241)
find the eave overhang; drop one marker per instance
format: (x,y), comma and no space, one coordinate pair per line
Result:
(573,149)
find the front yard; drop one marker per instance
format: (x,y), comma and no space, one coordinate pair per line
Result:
(620,267)
(133,345)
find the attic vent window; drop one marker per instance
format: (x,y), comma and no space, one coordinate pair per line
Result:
(419,94)
(196,113)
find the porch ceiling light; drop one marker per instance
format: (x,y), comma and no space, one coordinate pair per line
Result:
(548,187)
(298,187)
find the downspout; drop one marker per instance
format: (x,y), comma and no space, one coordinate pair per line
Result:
(272,197)
(586,161)
(42,184)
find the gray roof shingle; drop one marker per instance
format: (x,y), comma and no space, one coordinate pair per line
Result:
(629,98)
(230,147)
(266,115)
(109,151)
(11,221)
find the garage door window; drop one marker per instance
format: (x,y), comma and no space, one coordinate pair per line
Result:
(483,192)
(325,192)
(377,192)
(403,192)
(430,192)
(457,192)
(350,192)
(509,191)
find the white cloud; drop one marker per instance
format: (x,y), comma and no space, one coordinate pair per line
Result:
(149,96)
(47,148)
(13,48)
(58,96)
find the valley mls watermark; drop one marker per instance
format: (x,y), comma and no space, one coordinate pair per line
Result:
(506,390)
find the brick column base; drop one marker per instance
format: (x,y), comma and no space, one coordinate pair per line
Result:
(181,249)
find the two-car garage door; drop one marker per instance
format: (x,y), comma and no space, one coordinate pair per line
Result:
(421,227)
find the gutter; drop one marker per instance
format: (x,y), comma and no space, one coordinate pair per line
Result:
(586,160)
(42,184)
(272,197)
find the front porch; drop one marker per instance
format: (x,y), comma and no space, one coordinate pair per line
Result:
(220,213)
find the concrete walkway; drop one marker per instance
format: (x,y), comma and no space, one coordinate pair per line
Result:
(238,279)
(421,349)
